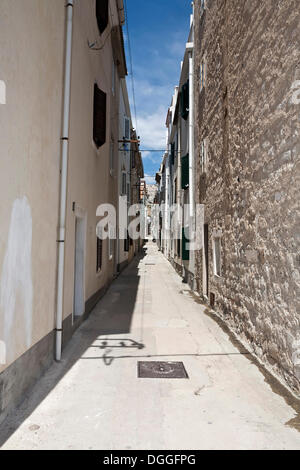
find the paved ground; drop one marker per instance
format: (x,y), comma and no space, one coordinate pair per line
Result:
(94,400)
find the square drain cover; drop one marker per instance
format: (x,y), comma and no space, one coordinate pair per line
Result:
(161,370)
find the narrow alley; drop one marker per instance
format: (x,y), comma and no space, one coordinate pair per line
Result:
(94,399)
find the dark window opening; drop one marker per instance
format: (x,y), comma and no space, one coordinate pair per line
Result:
(173,153)
(185,172)
(102,14)
(178,249)
(184,101)
(126,243)
(99,132)
(185,250)
(99,254)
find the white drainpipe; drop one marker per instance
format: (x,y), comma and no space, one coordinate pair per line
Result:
(63,180)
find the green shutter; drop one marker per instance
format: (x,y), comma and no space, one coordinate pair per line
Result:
(185,251)
(185,172)
(184,101)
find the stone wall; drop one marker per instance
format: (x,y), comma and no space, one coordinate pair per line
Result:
(250,111)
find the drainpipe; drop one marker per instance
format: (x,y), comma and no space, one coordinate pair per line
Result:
(63,179)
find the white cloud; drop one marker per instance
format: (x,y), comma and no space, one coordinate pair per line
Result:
(152,129)
(177,49)
(149,179)
(154,157)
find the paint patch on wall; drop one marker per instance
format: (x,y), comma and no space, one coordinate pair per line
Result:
(2,92)
(16,280)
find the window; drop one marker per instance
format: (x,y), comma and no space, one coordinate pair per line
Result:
(217,256)
(202,73)
(184,101)
(185,172)
(99,254)
(185,255)
(126,128)
(126,243)
(204,155)
(124,188)
(173,153)
(99,131)
(102,14)
(202,6)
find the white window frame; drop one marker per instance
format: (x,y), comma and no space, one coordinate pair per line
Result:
(217,269)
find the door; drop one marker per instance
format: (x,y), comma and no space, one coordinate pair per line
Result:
(79,306)
(205,261)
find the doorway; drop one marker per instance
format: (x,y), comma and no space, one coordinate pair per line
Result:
(79,268)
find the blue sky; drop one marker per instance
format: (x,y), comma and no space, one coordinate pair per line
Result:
(158,31)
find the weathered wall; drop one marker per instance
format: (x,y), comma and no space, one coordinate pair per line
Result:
(250,113)
(32,37)
(89,180)
(31,58)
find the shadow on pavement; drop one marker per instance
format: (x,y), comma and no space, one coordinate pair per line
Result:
(111,316)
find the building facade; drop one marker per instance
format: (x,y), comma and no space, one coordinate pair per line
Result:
(177,173)
(244,172)
(59,140)
(247,146)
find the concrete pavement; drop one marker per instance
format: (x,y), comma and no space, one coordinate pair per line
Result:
(94,400)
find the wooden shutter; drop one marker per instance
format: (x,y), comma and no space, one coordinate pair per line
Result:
(185,172)
(99,132)
(102,14)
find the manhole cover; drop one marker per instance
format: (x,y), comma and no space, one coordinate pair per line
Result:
(161,370)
